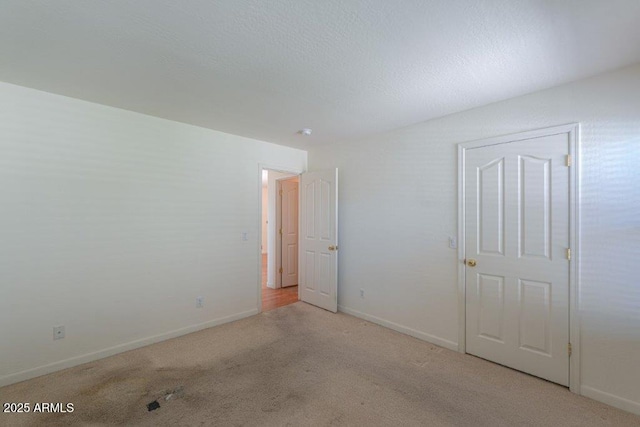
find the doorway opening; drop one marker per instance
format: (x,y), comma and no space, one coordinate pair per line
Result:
(279,239)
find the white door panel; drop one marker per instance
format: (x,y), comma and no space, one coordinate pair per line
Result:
(318,239)
(289,226)
(517,230)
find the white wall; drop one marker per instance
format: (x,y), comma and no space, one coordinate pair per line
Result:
(398,205)
(113,222)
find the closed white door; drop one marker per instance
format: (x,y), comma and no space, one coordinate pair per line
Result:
(319,239)
(517,267)
(289,230)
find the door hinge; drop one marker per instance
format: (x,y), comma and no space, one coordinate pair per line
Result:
(568,160)
(280,271)
(569,254)
(569,349)
(281,192)
(280,231)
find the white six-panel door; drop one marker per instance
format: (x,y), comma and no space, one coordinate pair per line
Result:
(318,261)
(289,227)
(517,269)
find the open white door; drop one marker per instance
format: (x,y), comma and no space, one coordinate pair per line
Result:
(289,231)
(319,239)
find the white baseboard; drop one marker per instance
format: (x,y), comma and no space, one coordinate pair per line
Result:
(611,399)
(400,328)
(100,354)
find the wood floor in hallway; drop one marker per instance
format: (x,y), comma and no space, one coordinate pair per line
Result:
(274,298)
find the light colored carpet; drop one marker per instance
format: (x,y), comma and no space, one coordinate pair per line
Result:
(299,365)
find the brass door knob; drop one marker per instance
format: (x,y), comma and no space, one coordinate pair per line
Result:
(471,262)
(333,248)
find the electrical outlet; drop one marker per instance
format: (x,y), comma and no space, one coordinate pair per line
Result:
(361,293)
(199,302)
(58,332)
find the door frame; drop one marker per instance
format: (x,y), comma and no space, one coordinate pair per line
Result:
(278,254)
(573,132)
(275,168)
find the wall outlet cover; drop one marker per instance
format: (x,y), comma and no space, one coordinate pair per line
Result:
(58,332)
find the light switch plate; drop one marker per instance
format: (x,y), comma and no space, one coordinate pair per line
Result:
(453,242)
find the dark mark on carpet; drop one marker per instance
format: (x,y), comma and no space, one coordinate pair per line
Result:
(153,405)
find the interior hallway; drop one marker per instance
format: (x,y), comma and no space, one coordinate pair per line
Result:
(274,298)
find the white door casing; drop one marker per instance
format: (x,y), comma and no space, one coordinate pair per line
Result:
(318,260)
(516,227)
(289,227)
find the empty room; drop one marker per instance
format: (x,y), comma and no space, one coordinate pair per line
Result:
(320,212)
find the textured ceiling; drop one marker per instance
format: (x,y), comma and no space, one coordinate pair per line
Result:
(346,68)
